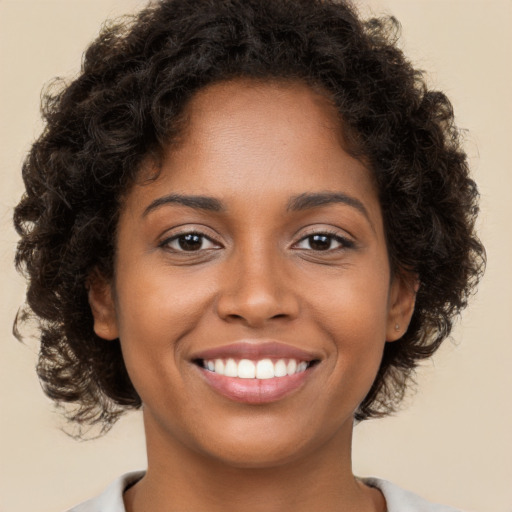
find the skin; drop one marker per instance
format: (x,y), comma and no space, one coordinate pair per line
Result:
(253,146)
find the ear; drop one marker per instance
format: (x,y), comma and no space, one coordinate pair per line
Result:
(402,298)
(102,305)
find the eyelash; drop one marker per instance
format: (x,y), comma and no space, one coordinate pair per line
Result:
(166,244)
(344,242)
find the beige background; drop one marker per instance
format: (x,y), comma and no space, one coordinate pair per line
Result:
(453,442)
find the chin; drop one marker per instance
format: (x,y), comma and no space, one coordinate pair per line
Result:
(257,455)
(266,446)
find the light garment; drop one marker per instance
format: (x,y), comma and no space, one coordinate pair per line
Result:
(397,499)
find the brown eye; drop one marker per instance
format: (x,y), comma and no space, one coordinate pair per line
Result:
(189,242)
(324,242)
(320,242)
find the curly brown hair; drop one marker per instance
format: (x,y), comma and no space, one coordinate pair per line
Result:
(126,103)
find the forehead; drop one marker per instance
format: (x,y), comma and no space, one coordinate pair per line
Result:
(259,98)
(261,138)
(261,115)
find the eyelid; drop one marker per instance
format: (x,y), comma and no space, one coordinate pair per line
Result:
(345,241)
(165,243)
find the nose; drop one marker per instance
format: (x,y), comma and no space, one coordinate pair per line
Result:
(257,289)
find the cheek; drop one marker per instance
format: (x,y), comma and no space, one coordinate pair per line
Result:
(155,300)
(155,311)
(355,306)
(354,317)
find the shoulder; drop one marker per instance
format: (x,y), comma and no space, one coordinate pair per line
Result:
(400,500)
(111,499)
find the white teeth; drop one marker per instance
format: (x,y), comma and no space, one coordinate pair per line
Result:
(280,368)
(246,369)
(219,366)
(292,366)
(231,368)
(265,369)
(262,369)
(302,367)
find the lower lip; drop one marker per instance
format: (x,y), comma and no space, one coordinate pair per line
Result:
(255,391)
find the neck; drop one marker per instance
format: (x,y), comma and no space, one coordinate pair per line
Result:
(179,478)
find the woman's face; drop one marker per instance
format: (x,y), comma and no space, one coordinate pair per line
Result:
(258,250)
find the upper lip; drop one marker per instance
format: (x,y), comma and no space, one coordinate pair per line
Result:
(255,350)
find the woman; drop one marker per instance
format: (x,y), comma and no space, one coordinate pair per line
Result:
(252,220)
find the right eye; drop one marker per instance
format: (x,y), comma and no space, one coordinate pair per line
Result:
(189,242)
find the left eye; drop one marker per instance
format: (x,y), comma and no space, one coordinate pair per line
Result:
(190,242)
(322,242)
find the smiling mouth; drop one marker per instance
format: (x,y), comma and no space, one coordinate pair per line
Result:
(262,369)
(256,371)
(256,382)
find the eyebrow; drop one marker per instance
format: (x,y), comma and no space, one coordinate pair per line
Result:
(206,203)
(300,202)
(315,200)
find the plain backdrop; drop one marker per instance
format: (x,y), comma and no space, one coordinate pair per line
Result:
(453,441)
